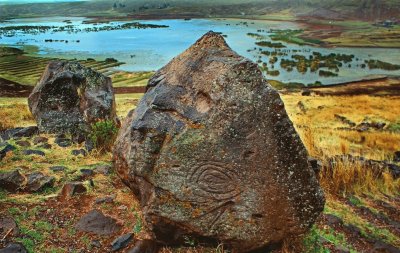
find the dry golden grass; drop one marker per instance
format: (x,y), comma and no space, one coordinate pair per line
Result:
(14,112)
(324,136)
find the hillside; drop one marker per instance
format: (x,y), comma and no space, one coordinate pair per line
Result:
(365,9)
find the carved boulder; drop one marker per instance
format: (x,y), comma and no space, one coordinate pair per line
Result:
(212,155)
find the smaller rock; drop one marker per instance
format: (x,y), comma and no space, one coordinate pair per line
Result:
(122,241)
(95,244)
(8,148)
(72,188)
(23,143)
(37,182)
(97,223)
(14,248)
(77,152)
(145,246)
(19,132)
(58,168)
(8,226)
(105,169)
(382,247)
(11,181)
(345,120)
(89,145)
(63,142)
(396,156)
(315,164)
(33,152)
(306,92)
(40,139)
(107,199)
(87,172)
(301,107)
(45,146)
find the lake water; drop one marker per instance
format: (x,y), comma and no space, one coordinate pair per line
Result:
(150,49)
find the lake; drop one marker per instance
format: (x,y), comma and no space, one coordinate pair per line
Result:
(150,49)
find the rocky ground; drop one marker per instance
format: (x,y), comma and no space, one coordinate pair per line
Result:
(58,197)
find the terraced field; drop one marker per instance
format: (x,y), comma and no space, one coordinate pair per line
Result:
(27,70)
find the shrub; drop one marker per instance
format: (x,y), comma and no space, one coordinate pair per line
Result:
(103,135)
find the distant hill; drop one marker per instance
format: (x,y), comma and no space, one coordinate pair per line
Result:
(327,9)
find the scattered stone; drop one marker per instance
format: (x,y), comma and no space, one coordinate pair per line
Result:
(89,145)
(107,199)
(365,126)
(210,149)
(121,242)
(72,188)
(97,223)
(87,172)
(33,152)
(8,226)
(14,248)
(105,169)
(345,120)
(23,143)
(333,220)
(58,168)
(382,247)
(95,244)
(306,92)
(396,156)
(77,152)
(40,139)
(145,246)
(63,142)
(45,146)
(69,97)
(19,132)
(37,182)
(315,164)
(11,181)
(8,148)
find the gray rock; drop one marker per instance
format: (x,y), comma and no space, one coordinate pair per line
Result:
(95,243)
(37,182)
(14,248)
(105,169)
(45,146)
(33,152)
(19,132)
(211,153)
(69,97)
(8,224)
(40,139)
(23,143)
(121,242)
(11,181)
(77,152)
(58,168)
(107,199)
(87,172)
(8,148)
(63,142)
(72,188)
(97,223)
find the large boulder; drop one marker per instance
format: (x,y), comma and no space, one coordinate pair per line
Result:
(69,97)
(212,155)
